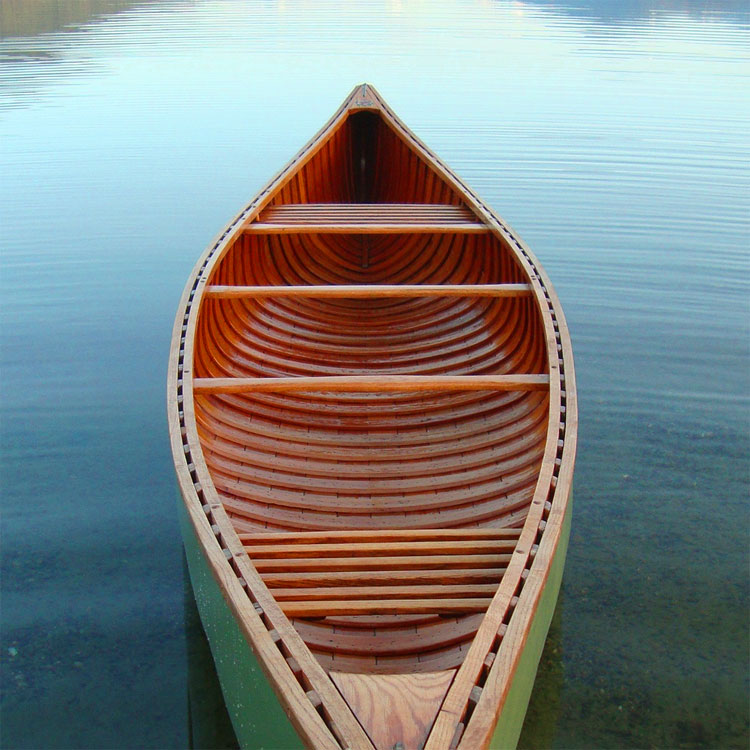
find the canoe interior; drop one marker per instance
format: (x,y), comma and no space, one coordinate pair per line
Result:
(373,416)
(452,472)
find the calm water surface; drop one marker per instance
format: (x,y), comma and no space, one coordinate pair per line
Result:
(612,136)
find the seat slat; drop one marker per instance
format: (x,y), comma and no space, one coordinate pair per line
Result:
(396,572)
(364,549)
(406,562)
(359,578)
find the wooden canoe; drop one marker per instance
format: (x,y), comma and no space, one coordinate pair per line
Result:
(372,412)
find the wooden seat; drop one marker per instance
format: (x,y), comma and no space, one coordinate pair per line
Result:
(365,218)
(384,572)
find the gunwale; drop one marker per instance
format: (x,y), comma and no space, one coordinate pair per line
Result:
(474,699)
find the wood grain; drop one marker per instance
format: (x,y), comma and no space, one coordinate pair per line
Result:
(370,384)
(359,291)
(366,228)
(371,391)
(396,710)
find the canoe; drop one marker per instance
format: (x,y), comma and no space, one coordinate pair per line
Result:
(372,413)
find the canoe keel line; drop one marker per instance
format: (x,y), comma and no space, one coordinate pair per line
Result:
(373,418)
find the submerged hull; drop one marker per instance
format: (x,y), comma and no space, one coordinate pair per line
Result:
(373,418)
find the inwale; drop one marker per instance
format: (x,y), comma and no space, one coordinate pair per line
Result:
(373,418)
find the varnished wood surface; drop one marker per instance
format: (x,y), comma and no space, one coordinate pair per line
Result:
(372,227)
(372,290)
(372,397)
(397,710)
(415,213)
(366,218)
(369,384)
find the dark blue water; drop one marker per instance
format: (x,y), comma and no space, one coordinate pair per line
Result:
(612,136)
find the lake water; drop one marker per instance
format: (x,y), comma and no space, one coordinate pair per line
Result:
(612,135)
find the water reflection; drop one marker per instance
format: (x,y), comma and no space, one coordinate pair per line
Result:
(24,18)
(622,14)
(611,135)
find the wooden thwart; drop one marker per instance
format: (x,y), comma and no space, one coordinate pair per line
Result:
(355,291)
(373,384)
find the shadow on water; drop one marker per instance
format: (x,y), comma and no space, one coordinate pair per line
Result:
(209,725)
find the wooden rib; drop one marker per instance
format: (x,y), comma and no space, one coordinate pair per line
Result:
(390,607)
(370,384)
(358,463)
(405,591)
(367,496)
(448,657)
(504,423)
(356,291)
(438,633)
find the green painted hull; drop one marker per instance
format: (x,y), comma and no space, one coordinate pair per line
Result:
(511,719)
(256,714)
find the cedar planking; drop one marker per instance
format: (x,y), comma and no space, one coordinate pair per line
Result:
(372,411)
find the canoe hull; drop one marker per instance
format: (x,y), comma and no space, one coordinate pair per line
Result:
(375,565)
(257,717)
(511,720)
